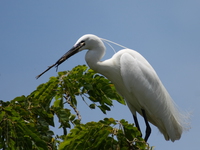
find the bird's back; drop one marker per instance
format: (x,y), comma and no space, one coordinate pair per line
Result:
(144,90)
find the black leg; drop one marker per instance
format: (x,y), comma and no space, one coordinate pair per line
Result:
(148,128)
(137,124)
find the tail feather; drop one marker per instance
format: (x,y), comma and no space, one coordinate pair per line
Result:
(174,122)
(169,120)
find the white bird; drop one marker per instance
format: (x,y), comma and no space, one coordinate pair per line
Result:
(136,80)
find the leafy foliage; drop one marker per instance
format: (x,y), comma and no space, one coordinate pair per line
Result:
(20,128)
(25,121)
(104,135)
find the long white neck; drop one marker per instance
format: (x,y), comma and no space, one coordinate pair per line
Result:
(94,55)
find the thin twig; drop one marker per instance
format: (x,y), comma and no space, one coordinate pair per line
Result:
(75,109)
(84,99)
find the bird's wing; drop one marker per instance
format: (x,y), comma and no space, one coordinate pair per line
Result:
(148,93)
(140,80)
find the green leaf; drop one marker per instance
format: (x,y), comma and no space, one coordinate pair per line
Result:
(19,99)
(57,103)
(92,106)
(102,109)
(72,117)
(76,122)
(2,114)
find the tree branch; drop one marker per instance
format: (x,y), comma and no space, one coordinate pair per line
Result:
(75,109)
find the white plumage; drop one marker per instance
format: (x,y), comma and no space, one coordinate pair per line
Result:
(136,80)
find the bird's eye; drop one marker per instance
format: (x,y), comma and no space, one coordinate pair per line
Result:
(82,43)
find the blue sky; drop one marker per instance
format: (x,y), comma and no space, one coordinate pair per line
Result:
(34,34)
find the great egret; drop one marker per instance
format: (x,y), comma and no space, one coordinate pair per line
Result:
(136,80)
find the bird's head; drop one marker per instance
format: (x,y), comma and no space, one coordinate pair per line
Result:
(88,41)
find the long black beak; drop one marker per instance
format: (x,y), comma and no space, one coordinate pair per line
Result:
(70,53)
